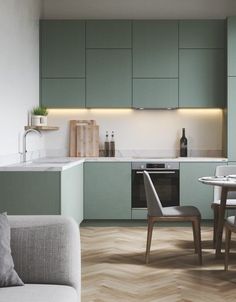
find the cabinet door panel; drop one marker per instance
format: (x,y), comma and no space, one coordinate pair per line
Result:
(231,40)
(63,93)
(231,118)
(108,78)
(62,48)
(107,190)
(155,93)
(155,49)
(194,193)
(108,34)
(202,34)
(202,78)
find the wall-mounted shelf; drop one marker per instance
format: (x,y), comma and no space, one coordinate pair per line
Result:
(42,128)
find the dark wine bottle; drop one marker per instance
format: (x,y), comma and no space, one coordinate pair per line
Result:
(106,146)
(183,144)
(112,145)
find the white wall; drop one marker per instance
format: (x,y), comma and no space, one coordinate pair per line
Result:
(147,132)
(19,73)
(138,9)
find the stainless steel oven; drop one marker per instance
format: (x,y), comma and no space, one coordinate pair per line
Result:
(165,177)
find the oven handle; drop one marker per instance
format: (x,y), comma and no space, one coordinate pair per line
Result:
(157,172)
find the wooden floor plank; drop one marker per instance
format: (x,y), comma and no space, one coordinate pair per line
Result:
(114,269)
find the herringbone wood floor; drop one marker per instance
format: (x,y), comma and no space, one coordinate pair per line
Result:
(113,268)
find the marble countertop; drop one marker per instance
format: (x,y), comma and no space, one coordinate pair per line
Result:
(64,163)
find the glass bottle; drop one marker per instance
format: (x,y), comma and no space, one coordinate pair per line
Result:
(106,146)
(183,144)
(112,145)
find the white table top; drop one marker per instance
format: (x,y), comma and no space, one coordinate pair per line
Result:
(222,181)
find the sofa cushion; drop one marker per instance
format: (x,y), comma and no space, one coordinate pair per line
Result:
(8,275)
(39,293)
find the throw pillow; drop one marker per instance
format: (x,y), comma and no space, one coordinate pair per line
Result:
(8,275)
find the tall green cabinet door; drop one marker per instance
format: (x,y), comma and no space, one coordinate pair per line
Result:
(108,34)
(202,81)
(231,119)
(155,93)
(62,48)
(194,193)
(155,49)
(107,190)
(202,33)
(108,82)
(63,93)
(231,46)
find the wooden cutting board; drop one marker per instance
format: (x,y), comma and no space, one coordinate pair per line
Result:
(84,138)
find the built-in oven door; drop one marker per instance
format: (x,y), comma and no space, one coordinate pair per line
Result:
(166,183)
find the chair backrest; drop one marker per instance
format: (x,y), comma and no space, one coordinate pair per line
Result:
(153,202)
(224,171)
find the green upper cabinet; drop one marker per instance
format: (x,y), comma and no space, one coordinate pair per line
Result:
(62,49)
(155,49)
(63,93)
(202,78)
(231,118)
(108,34)
(109,78)
(231,47)
(202,34)
(107,190)
(155,93)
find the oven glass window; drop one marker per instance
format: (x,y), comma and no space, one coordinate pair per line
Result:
(166,185)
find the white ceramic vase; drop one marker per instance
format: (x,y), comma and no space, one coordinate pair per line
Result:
(39,120)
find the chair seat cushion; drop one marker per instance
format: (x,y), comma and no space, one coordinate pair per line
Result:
(181,211)
(39,293)
(229,202)
(231,220)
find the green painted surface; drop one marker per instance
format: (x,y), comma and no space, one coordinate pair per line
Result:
(107,192)
(62,48)
(202,81)
(231,46)
(108,78)
(72,198)
(155,93)
(108,34)
(30,193)
(63,93)
(231,120)
(139,214)
(194,193)
(202,34)
(155,49)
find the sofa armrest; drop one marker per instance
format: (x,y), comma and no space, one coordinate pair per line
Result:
(46,249)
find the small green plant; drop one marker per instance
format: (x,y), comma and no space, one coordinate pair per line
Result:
(40,111)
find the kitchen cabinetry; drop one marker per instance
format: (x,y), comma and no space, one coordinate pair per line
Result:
(107,192)
(202,34)
(231,112)
(194,193)
(108,34)
(202,78)
(43,193)
(108,78)
(63,63)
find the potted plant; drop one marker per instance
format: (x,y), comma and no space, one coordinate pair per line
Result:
(39,116)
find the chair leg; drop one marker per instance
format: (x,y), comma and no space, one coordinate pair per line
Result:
(197,238)
(227,246)
(194,238)
(149,238)
(216,218)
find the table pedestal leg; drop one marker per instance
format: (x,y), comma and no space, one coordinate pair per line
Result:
(221,218)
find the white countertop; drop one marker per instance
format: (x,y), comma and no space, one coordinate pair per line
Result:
(64,163)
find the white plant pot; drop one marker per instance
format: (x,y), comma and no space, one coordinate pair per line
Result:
(39,120)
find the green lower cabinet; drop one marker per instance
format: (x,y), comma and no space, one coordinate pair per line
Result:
(43,193)
(193,192)
(107,190)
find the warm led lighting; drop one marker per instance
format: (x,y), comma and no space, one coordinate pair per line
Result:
(197,111)
(63,111)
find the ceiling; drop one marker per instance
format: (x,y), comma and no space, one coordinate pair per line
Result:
(138,9)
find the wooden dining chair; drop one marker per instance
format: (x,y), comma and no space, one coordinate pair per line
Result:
(231,198)
(230,226)
(178,213)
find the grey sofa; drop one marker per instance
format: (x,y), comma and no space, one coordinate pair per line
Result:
(46,253)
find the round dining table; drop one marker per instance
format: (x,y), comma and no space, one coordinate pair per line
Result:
(227,184)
